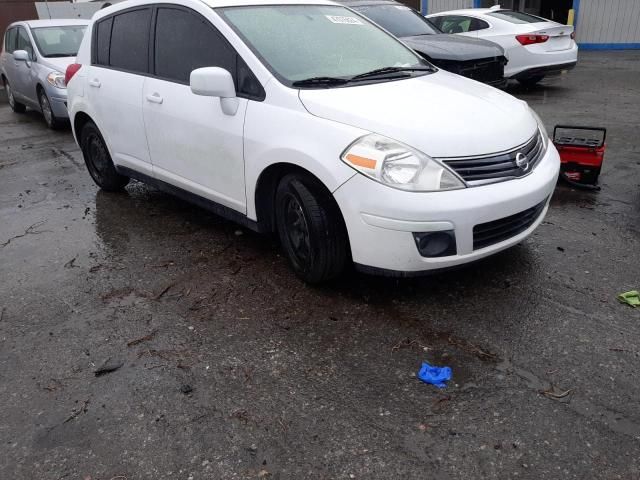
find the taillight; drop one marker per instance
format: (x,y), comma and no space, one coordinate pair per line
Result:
(71,71)
(573,35)
(532,39)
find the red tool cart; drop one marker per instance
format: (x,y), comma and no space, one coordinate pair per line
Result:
(581,153)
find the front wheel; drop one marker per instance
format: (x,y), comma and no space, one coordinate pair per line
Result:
(98,161)
(310,228)
(52,121)
(13,103)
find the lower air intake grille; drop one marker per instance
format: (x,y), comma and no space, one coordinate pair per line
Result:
(490,233)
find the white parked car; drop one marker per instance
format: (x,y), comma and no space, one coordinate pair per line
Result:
(310,121)
(535,47)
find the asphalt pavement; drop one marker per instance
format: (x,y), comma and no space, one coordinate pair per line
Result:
(221,364)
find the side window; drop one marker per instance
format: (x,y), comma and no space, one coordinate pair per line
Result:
(456,24)
(199,45)
(129,47)
(24,43)
(10,40)
(184,42)
(246,82)
(102,41)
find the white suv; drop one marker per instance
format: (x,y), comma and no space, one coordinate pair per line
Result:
(308,120)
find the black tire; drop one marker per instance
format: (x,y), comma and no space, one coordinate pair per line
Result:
(53,122)
(98,161)
(13,103)
(531,81)
(311,229)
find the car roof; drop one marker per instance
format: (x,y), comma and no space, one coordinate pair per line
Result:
(234,3)
(116,7)
(359,3)
(56,22)
(240,3)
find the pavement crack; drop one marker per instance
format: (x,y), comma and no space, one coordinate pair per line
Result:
(31,230)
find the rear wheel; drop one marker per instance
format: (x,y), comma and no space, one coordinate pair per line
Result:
(531,81)
(310,228)
(52,121)
(13,103)
(98,161)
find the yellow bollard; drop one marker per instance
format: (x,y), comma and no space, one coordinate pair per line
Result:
(571,18)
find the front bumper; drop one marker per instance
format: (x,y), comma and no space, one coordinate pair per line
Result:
(58,101)
(381,220)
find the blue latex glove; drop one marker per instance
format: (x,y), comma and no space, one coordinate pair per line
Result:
(434,375)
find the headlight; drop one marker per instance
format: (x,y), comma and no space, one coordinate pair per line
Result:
(399,166)
(56,79)
(543,130)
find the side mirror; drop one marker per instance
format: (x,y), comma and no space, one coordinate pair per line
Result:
(21,56)
(215,82)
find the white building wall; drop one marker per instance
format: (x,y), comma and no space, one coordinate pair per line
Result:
(609,21)
(436,6)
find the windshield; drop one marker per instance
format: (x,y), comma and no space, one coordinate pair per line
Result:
(302,42)
(58,41)
(400,20)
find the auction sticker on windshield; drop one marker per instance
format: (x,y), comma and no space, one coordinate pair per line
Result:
(344,20)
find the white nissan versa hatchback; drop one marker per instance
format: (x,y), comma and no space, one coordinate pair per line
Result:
(302,117)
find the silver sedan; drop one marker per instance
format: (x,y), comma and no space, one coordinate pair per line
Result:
(34,58)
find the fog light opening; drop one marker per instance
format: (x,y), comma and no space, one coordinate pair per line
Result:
(436,244)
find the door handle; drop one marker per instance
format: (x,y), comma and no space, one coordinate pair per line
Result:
(154,98)
(95,83)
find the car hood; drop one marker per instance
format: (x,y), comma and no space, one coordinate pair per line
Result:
(453,47)
(442,114)
(60,64)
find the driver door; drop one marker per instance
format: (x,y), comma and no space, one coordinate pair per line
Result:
(193,144)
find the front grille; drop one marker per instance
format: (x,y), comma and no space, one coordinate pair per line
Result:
(490,233)
(486,70)
(501,166)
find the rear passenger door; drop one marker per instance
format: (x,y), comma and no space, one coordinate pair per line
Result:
(193,144)
(120,61)
(8,64)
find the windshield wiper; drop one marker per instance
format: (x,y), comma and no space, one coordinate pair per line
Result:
(320,81)
(386,70)
(60,55)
